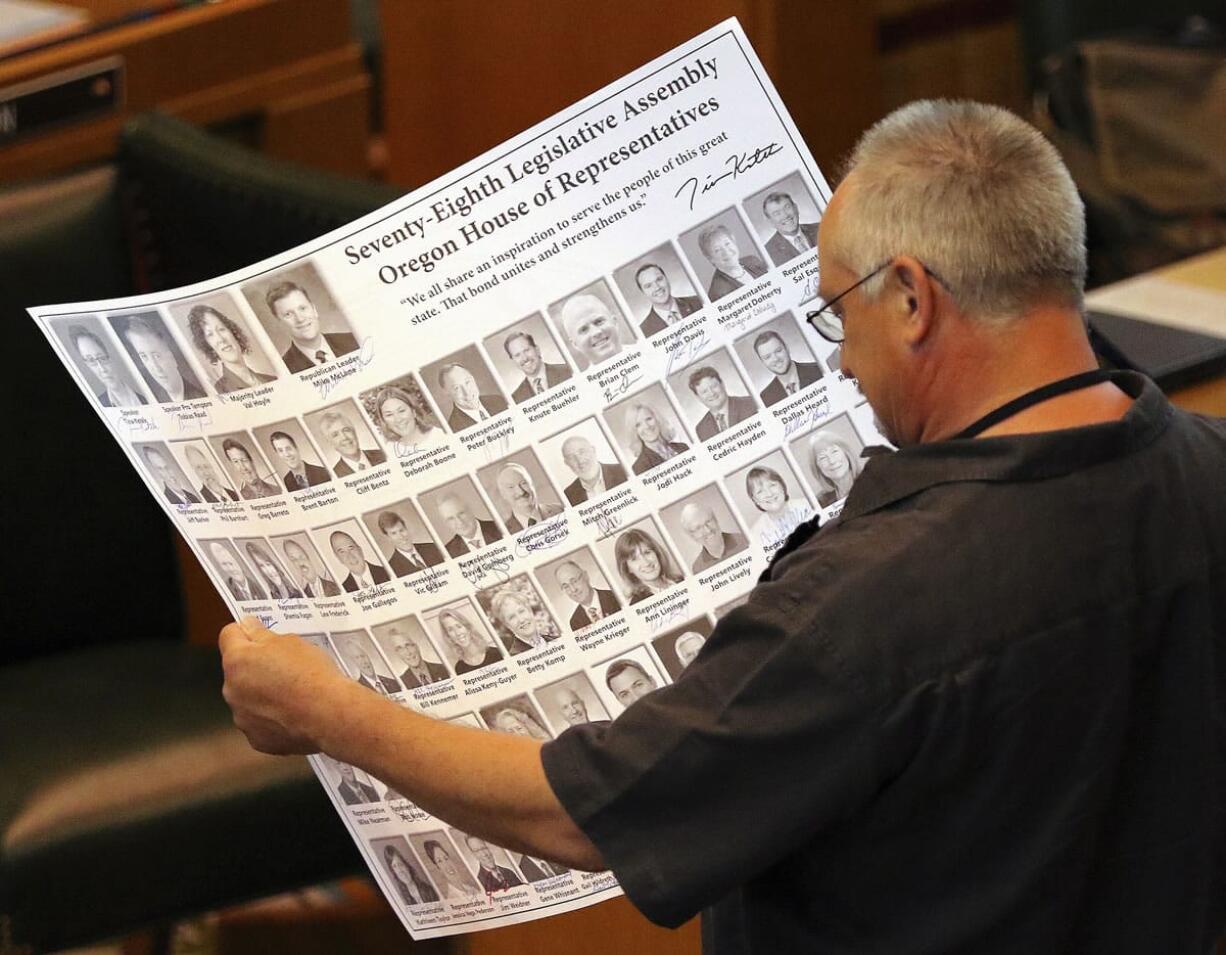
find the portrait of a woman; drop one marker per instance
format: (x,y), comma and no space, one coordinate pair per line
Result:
(652,437)
(834,465)
(220,341)
(470,649)
(644,565)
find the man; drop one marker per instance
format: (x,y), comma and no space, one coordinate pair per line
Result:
(417,671)
(212,488)
(308,346)
(666,308)
(591,604)
(539,375)
(701,526)
(723,410)
(792,237)
(309,580)
(250,484)
(516,488)
(590,328)
(732,270)
(241,586)
(628,681)
(168,380)
(116,392)
(468,405)
(537,870)
(408,556)
(353,791)
(468,533)
(492,876)
(592,476)
(687,647)
(343,437)
(172,488)
(999,659)
(790,376)
(300,474)
(362,573)
(572,707)
(368,676)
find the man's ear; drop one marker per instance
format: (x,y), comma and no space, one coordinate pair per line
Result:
(915,292)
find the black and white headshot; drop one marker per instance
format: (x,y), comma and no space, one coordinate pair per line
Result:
(171,482)
(770,498)
(306,568)
(723,255)
(403,539)
(301,317)
(462,636)
(299,466)
(444,865)
(704,528)
(678,646)
(577,586)
(353,559)
(273,578)
(346,439)
(583,461)
(630,677)
(786,218)
(778,360)
(572,701)
(520,490)
(527,358)
(403,416)
(250,472)
(517,716)
(407,647)
(592,324)
(645,564)
(234,574)
(713,395)
(364,663)
(829,457)
(97,358)
(648,428)
(223,343)
(460,517)
(464,388)
(405,873)
(167,374)
(493,866)
(658,289)
(351,785)
(205,473)
(521,619)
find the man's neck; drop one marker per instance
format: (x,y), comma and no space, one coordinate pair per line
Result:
(311,347)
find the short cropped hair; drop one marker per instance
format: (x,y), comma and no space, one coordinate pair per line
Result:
(506,345)
(706,371)
(280,291)
(619,667)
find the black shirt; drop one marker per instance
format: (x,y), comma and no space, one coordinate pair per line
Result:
(980,712)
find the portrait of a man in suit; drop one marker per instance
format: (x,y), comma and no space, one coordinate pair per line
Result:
(732,270)
(791,237)
(591,603)
(790,376)
(570,704)
(518,490)
(537,870)
(723,410)
(591,328)
(117,392)
(212,488)
(469,533)
(308,578)
(172,487)
(241,586)
(468,405)
(309,345)
(408,556)
(592,476)
(362,573)
(629,681)
(492,876)
(418,671)
(687,647)
(353,791)
(701,526)
(343,437)
(250,484)
(361,663)
(666,308)
(168,380)
(539,375)
(299,474)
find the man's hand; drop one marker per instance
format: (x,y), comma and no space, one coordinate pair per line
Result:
(277,687)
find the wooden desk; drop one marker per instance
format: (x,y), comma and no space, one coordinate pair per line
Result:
(289,67)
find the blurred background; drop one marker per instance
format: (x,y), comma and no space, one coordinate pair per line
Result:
(132,818)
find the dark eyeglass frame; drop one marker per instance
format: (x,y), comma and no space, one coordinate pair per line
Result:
(819,317)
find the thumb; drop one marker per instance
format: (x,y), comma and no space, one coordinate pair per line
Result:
(254,630)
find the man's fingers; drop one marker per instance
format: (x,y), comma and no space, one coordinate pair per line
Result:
(232,635)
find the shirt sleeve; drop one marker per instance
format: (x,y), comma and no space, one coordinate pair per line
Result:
(765,739)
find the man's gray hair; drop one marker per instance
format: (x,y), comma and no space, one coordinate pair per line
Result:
(975,193)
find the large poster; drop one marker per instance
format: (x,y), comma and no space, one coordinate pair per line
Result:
(508,447)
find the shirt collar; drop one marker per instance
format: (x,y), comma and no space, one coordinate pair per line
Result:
(891,476)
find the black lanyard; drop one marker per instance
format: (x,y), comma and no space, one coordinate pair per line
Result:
(1073,383)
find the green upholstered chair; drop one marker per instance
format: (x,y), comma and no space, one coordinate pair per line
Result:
(127,798)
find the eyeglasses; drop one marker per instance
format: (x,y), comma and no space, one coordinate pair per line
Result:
(827,321)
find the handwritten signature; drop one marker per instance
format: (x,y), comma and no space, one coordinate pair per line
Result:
(366,354)
(683,352)
(622,386)
(739,163)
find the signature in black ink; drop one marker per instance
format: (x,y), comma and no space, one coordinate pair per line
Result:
(739,163)
(621,387)
(683,352)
